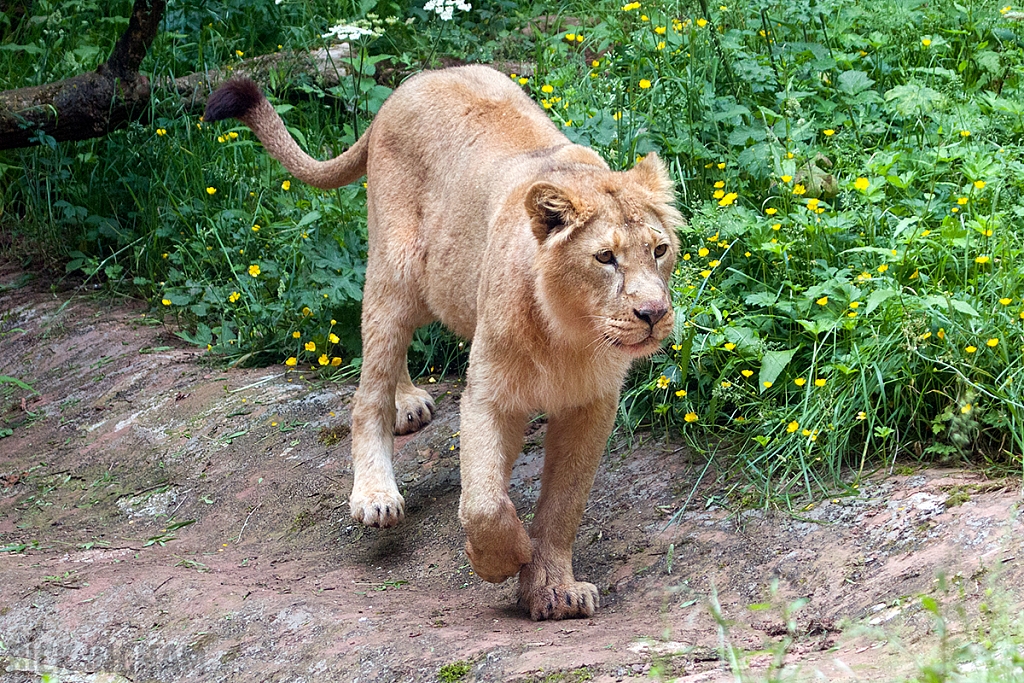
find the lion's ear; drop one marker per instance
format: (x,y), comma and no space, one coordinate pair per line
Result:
(551,208)
(652,174)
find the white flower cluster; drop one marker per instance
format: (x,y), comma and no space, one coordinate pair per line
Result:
(344,32)
(446,8)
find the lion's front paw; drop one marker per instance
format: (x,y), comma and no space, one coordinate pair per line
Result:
(378,508)
(497,564)
(562,601)
(413,411)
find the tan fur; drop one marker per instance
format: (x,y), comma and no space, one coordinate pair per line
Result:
(484,216)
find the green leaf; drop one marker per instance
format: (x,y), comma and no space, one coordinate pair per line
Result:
(853,82)
(772,365)
(877,297)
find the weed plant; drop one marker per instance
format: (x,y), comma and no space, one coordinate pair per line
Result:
(850,288)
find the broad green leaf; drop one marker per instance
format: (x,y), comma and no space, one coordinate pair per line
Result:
(772,365)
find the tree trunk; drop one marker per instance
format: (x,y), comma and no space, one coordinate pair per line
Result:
(91,104)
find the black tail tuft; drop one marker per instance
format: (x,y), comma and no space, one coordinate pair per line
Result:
(234,99)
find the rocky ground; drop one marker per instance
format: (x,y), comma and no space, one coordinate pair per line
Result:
(163,518)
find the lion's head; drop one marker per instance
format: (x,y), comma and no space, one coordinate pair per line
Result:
(607,247)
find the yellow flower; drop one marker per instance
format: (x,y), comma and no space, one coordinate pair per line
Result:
(631,6)
(333,338)
(254,270)
(714,264)
(309,346)
(705,274)
(747,373)
(787,178)
(161,131)
(800,381)
(799,189)
(792,426)
(965,133)
(644,84)
(690,417)
(966,408)
(239,53)
(820,382)
(720,184)
(165,302)
(961,200)
(570,37)
(286,185)
(702,252)
(726,385)
(681,393)
(828,132)
(851,314)
(806,432)
(1005,301)
(823,301)
(233,135)
(884,267)
(221,138)
(720,165)
(323,359)
(862,415)
(547,89)
(333,321)
(291,361)
(728,199)
(812,204)
(971,349)
(617,116)
(979,184)
(702,22)
(729,346)
(718,194)
(771,211)
(982,260)
(335,362)
(306,312)
(660,30)
(234,296)
(992,343)
(926,42)
(767,385)
(663,382)
(596,63)
(256,228)
(211,191)
(861,184)
(854,304)
(941,334)
(776,226)
(296,334)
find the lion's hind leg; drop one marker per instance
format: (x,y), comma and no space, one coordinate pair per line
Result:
(391,312)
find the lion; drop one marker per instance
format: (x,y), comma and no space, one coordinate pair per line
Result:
(483,215)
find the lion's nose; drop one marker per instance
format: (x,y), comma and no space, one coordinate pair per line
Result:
(651,311)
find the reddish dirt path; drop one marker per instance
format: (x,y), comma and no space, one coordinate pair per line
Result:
(131,433)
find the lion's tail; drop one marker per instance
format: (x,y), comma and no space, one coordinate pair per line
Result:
(242,99)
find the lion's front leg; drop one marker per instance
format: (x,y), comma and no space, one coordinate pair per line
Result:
(572,451)
(496,542)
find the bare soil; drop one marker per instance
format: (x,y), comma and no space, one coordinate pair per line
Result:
(163,518)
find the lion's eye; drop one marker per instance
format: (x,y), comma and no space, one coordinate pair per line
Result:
(606,256)
(660,250)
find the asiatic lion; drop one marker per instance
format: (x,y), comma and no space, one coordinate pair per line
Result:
(482,214)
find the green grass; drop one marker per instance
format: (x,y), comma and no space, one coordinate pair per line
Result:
(852,281)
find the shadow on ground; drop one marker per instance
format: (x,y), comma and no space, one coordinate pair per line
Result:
(164,519)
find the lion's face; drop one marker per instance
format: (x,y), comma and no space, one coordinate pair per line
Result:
(605,258)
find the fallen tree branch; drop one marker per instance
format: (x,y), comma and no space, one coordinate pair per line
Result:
(88,105)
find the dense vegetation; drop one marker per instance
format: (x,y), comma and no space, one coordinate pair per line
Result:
(852,284)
